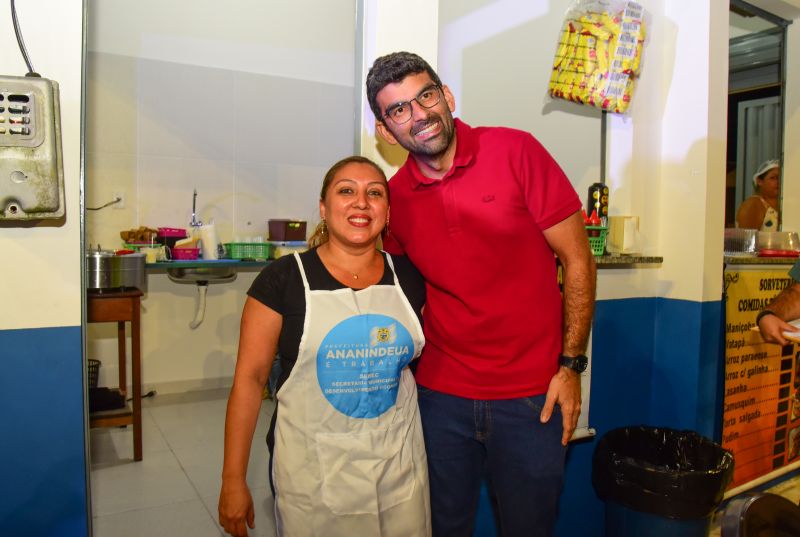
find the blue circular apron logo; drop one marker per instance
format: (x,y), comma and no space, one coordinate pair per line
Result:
(359,364)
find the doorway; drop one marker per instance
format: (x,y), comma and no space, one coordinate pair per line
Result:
(756,79)
(249,105)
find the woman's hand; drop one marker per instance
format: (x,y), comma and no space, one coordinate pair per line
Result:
(236,511)
(258,339)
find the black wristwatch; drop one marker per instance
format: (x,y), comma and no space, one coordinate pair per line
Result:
(576,363)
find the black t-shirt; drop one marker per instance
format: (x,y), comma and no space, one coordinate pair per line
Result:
(280,287)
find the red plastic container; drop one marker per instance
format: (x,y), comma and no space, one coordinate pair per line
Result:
(185,254)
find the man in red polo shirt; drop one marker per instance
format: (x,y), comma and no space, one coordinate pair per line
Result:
(481,212)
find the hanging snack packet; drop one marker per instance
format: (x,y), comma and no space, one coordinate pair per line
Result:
(599,54)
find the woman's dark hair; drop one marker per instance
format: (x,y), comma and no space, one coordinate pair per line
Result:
(320,234)
(393,68)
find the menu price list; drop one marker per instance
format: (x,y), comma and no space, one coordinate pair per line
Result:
(761,409)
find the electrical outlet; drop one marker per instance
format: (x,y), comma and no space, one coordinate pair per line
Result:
(121,197)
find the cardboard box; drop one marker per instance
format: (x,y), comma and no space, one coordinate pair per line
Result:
(287,230)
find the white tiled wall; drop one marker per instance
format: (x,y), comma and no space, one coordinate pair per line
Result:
(254,146)
(253,132)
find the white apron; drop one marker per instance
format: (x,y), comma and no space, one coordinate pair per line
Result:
(349,457)
(770,222)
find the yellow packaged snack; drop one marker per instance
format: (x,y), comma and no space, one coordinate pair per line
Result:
(599,54)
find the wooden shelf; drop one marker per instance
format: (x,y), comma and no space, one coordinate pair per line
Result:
(111,418)
(121,307)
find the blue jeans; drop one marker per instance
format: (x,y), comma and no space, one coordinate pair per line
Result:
(502,440)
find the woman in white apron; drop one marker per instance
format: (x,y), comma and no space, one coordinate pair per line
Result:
(348,456)
(761,210)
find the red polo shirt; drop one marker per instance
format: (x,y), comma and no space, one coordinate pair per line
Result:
(493,322)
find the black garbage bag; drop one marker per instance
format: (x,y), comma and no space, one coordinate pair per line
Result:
(667,472)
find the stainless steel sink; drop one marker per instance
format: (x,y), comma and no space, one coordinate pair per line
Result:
(218,274)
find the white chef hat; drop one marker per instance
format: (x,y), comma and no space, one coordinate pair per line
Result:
(766,166)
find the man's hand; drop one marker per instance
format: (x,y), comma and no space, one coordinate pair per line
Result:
(564,389)
(772,328)
(784,306)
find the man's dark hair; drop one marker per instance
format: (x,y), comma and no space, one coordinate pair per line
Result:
(393,68)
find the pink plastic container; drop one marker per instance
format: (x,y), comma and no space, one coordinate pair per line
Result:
(168,236)
(171,232)
(185,254)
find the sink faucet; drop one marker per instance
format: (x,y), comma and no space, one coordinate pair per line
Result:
(195,222)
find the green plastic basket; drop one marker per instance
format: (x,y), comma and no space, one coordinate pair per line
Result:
(597,239)
(248,250)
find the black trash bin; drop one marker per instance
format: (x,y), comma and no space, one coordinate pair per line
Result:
(659,482)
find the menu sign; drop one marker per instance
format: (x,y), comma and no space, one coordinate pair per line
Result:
(761,410)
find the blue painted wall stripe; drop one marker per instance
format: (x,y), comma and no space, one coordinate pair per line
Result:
(686,375)
(42,412)
(655,362)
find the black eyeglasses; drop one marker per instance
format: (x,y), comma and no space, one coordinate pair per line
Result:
(401,112)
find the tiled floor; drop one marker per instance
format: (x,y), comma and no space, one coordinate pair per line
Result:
(174,490)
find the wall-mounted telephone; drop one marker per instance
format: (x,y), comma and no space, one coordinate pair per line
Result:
(31,165)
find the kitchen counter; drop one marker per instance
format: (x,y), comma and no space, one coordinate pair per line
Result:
(626,261)
(755,260)
(162,266)
(203,272)
(603,262)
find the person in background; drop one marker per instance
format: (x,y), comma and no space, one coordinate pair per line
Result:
(761,211)
(773,320)
(348,457)
(481,212)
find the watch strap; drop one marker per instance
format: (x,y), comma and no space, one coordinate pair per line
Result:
(762,314)
(576,363)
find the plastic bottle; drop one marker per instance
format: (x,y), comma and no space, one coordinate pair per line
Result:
(598,201)
(208,241)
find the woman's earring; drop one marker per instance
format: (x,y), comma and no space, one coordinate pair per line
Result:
(323,229)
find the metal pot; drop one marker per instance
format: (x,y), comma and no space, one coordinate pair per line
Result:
(107,271)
